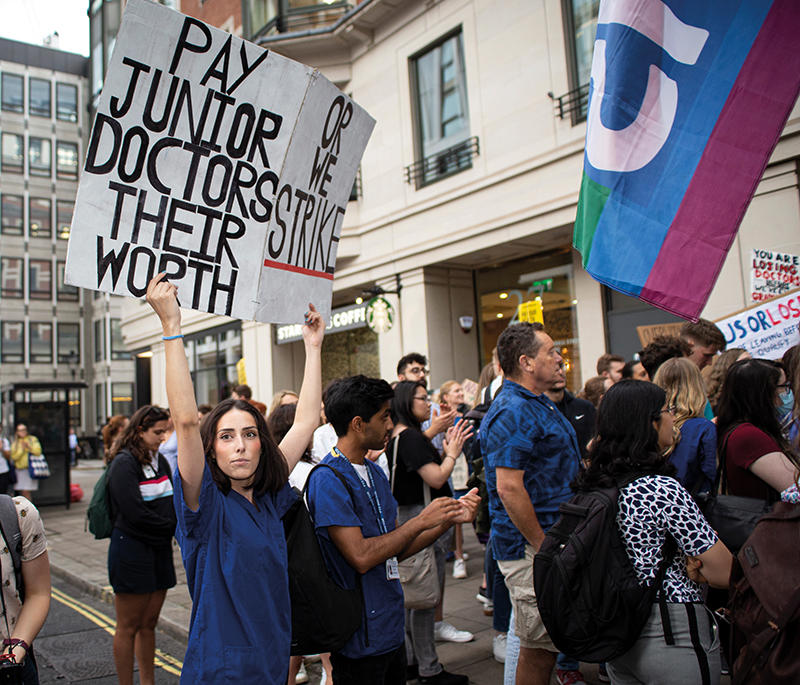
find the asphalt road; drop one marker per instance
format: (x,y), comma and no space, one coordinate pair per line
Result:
(75,643)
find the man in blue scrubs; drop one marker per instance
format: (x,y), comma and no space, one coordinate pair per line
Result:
(360,537)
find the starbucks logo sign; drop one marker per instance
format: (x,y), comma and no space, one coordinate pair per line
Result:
(380,315)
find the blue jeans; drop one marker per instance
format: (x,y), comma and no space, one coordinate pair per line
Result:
(512,653)
(496,587)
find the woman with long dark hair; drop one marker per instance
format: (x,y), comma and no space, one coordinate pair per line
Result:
(140,566)
(758,460)
(419,476)
(231,491)
(634,430)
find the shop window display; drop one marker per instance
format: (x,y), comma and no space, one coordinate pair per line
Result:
(548,276)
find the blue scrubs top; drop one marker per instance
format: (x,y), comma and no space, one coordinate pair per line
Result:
(331,505)
(235,558)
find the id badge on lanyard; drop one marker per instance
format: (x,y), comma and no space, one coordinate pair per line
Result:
(392,569)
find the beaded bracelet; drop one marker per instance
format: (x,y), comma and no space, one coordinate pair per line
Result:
(171,337)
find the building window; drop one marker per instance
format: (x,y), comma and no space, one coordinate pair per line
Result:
(39,219)
(39,97)
(41,351)
(13,93)
(39,157)
(121,399)
(11,277)
(12,346)
(66,159)
(99,340)
(12,214)
(66,102)
(580,27)
(64,210)
(13,153)
(212,359)
(440,98)
(40,279)
(100,404)
(64,292)
(69,347)
(118,350)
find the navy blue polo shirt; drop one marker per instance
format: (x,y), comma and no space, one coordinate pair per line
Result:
(331,505)
(525,431)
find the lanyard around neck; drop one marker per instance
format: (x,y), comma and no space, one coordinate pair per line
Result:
(370,491)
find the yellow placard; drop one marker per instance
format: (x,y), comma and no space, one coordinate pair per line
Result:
(531,312)
(241,375)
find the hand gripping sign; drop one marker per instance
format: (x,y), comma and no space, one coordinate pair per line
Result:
(223,164)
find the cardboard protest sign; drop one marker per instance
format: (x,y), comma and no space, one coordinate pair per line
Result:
(765,330)
(773,274)
(650,332)
(219,162)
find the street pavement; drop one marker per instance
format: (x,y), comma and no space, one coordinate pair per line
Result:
(78,564)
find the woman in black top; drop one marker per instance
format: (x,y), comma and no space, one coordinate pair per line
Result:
(420,468)
(140,564)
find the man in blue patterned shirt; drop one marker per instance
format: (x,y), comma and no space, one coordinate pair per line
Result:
(531,455)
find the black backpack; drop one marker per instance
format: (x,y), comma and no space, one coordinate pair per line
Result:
(324,615)
(588,594)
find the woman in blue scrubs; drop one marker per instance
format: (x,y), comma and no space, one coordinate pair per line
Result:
(231,491)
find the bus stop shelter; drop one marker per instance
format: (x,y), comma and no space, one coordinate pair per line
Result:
(45,409)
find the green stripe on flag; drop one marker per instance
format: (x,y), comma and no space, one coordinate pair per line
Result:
(591,201)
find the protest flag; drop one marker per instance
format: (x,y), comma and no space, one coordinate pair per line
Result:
(687,101)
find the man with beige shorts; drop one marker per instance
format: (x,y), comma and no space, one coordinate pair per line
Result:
(531,455)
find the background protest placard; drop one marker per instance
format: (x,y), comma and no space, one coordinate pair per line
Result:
(773,274)
(766,330)
(219,162)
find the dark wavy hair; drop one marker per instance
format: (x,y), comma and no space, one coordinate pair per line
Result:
(626,442)
(130,439)
(353,396)
(272,471)
(748,396)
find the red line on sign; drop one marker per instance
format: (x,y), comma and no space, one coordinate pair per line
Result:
(298,269)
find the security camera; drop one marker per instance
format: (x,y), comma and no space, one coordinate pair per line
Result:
(466,323)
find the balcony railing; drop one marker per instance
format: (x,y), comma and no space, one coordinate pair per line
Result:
(572,104)
(298,17)
(445,163)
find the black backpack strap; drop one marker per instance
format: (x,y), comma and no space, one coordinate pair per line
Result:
(668,550)
(694,634)
(341,478)
(9,529)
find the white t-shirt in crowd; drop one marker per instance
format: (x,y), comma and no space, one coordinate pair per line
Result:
(324,439)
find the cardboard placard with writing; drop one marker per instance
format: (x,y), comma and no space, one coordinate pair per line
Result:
(648,333)
(773,274)
(767,329)
(221,163)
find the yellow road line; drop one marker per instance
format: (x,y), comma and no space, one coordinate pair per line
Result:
(162,660)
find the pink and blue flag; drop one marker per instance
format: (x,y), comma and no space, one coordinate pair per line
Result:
(687,101)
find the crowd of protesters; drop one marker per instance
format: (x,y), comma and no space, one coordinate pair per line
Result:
(424,463)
